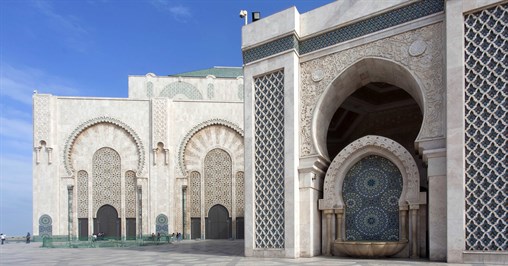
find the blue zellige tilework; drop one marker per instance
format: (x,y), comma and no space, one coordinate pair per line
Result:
(383,21)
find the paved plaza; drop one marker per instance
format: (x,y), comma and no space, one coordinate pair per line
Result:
(205,252)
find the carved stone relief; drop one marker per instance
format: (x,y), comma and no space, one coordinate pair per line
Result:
(218,179)
(106,179)
(42,118)
(205,137)
(425,63)
(159,121)
(108,125)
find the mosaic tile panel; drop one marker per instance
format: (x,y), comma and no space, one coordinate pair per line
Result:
(45,226)
(161,224)
(218,179)
(106,179)
(82,184)
(130,194)
(371,192)
(486,136)
(386,20)
(182,88)
(269,160)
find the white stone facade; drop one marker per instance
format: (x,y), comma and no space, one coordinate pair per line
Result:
(354,90)
(336,63)
(135,154)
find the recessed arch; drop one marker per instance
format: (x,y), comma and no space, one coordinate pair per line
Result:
(216,133)
(358,74)
(69,167)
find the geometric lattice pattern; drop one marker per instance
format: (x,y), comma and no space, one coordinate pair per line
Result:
(371,192)
(82,183)
(210,91)
(271,48)
(269,160)
(106,179)
(130,194)
(218,179)
(161,224)
(195,194)
(404,14)
(181,88)
(45,226)
(486,135)
(240,198)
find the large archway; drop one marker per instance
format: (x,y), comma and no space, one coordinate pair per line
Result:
(372,97)
(371,73)
(218,223)
(108,222)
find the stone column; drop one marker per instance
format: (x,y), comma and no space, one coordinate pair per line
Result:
(69,210)
(140,212)
(329,239)
(338,222)
(414,231)
(403,222)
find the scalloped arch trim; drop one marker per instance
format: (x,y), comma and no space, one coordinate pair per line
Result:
(84,126)
(196,129)
(360,148)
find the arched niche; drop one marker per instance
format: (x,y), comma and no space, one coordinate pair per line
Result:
(333,200)
(359,74)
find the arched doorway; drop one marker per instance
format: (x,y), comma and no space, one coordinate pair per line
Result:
(218,223)
(107,221)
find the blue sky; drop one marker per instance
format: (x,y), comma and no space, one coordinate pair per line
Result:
(88,48)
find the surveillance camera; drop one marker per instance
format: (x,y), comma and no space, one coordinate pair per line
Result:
(243,13)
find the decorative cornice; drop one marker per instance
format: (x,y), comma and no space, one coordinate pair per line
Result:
(361,28)
(197,128)
(82,127)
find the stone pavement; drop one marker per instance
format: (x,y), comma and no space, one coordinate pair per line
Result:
(192,252)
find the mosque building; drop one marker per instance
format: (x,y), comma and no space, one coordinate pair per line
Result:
(360,128)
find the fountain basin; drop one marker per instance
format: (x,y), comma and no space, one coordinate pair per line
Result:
(370,249)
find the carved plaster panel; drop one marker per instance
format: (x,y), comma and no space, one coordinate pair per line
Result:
(426,65)
(159,121)
(206,136)
(110,124)
(42,119)
(360,148)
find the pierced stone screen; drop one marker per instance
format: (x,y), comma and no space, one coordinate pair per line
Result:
(269,160)
(486,35)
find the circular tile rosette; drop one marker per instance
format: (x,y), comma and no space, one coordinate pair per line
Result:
(371,221)
(45,220)
(371,182)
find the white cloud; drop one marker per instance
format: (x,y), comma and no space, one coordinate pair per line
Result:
(18,83)
(180,13)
